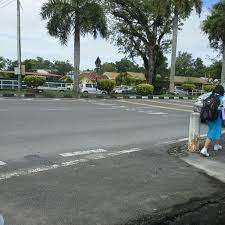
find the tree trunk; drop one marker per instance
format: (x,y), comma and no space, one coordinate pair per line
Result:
(174,51)
(151,65)
(76,57)
(223,67)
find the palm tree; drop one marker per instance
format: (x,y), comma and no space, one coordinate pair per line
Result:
(74,17)
(181,10)
(214,27)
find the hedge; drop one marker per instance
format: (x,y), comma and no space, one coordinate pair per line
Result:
(145,89)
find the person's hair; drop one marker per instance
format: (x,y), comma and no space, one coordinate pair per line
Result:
(219,89)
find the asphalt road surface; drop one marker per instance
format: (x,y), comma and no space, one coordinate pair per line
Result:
(93,161)
(52,127)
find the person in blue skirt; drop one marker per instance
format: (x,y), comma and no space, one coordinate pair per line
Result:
(215,127)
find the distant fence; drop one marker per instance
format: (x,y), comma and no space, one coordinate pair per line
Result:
(10,84)
(13,84)
(196,92)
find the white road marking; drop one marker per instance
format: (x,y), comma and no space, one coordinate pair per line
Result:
(28,99)
(24,172)
(56,99)
(59,109)
(104,104)
(157,113)
(171,103)
(74,162)
(70,154)
(156,106)
(2,163)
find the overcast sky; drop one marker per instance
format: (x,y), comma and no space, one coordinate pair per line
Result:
(36,41)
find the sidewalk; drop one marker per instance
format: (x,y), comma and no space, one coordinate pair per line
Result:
(213,166)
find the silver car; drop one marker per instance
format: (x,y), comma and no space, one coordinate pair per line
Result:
(199,102)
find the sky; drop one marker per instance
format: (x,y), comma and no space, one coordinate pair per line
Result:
(37,42)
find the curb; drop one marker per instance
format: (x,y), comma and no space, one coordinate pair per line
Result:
(154,97)
(110,97)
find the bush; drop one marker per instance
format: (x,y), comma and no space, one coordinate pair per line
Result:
(126,79)
(145,89)
(67,79)
(34,81)
(208,88)
(50,94)
(106,85)
(69,94)
(188,87)
(123,79)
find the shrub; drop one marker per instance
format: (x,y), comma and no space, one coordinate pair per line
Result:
(106,85)
(123,79)
(34,81)
(208,88)
(126,79)
(69,94)
(188,87)
(145,89)
(67,79)
(50,94)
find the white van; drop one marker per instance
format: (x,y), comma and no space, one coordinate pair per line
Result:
(51,86)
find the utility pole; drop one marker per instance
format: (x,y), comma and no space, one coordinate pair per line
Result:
(19,46)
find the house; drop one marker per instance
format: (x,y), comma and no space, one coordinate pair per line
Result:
(113,75)
(91,78)
(199,82)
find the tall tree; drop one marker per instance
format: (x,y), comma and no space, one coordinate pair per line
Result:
(181,9)
(214,26)
(76,17)
(2,63)
(184,64)
(140,27)
(61,68)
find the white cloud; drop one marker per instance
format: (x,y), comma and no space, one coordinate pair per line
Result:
(193,40)
(36,41)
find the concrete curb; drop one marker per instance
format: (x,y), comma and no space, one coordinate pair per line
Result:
(109,97)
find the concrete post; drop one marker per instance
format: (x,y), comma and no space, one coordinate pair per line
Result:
(1,220)
(194,132)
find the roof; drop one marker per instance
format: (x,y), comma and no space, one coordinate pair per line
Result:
(195,80)
(137,75)
(93,76)
(113,75)
(33,73)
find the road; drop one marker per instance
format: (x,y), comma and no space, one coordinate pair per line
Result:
(93,161)
(52,127)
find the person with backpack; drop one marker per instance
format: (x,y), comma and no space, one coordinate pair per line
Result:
(212,114)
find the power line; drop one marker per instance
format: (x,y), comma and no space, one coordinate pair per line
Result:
(5,4)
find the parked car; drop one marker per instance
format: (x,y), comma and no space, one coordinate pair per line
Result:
(124,90)
(180,91)
(50,86)
(91,89)
(199,102)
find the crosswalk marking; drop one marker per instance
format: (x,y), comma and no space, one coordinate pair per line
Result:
(155,106)
(24,172)
(70,154)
